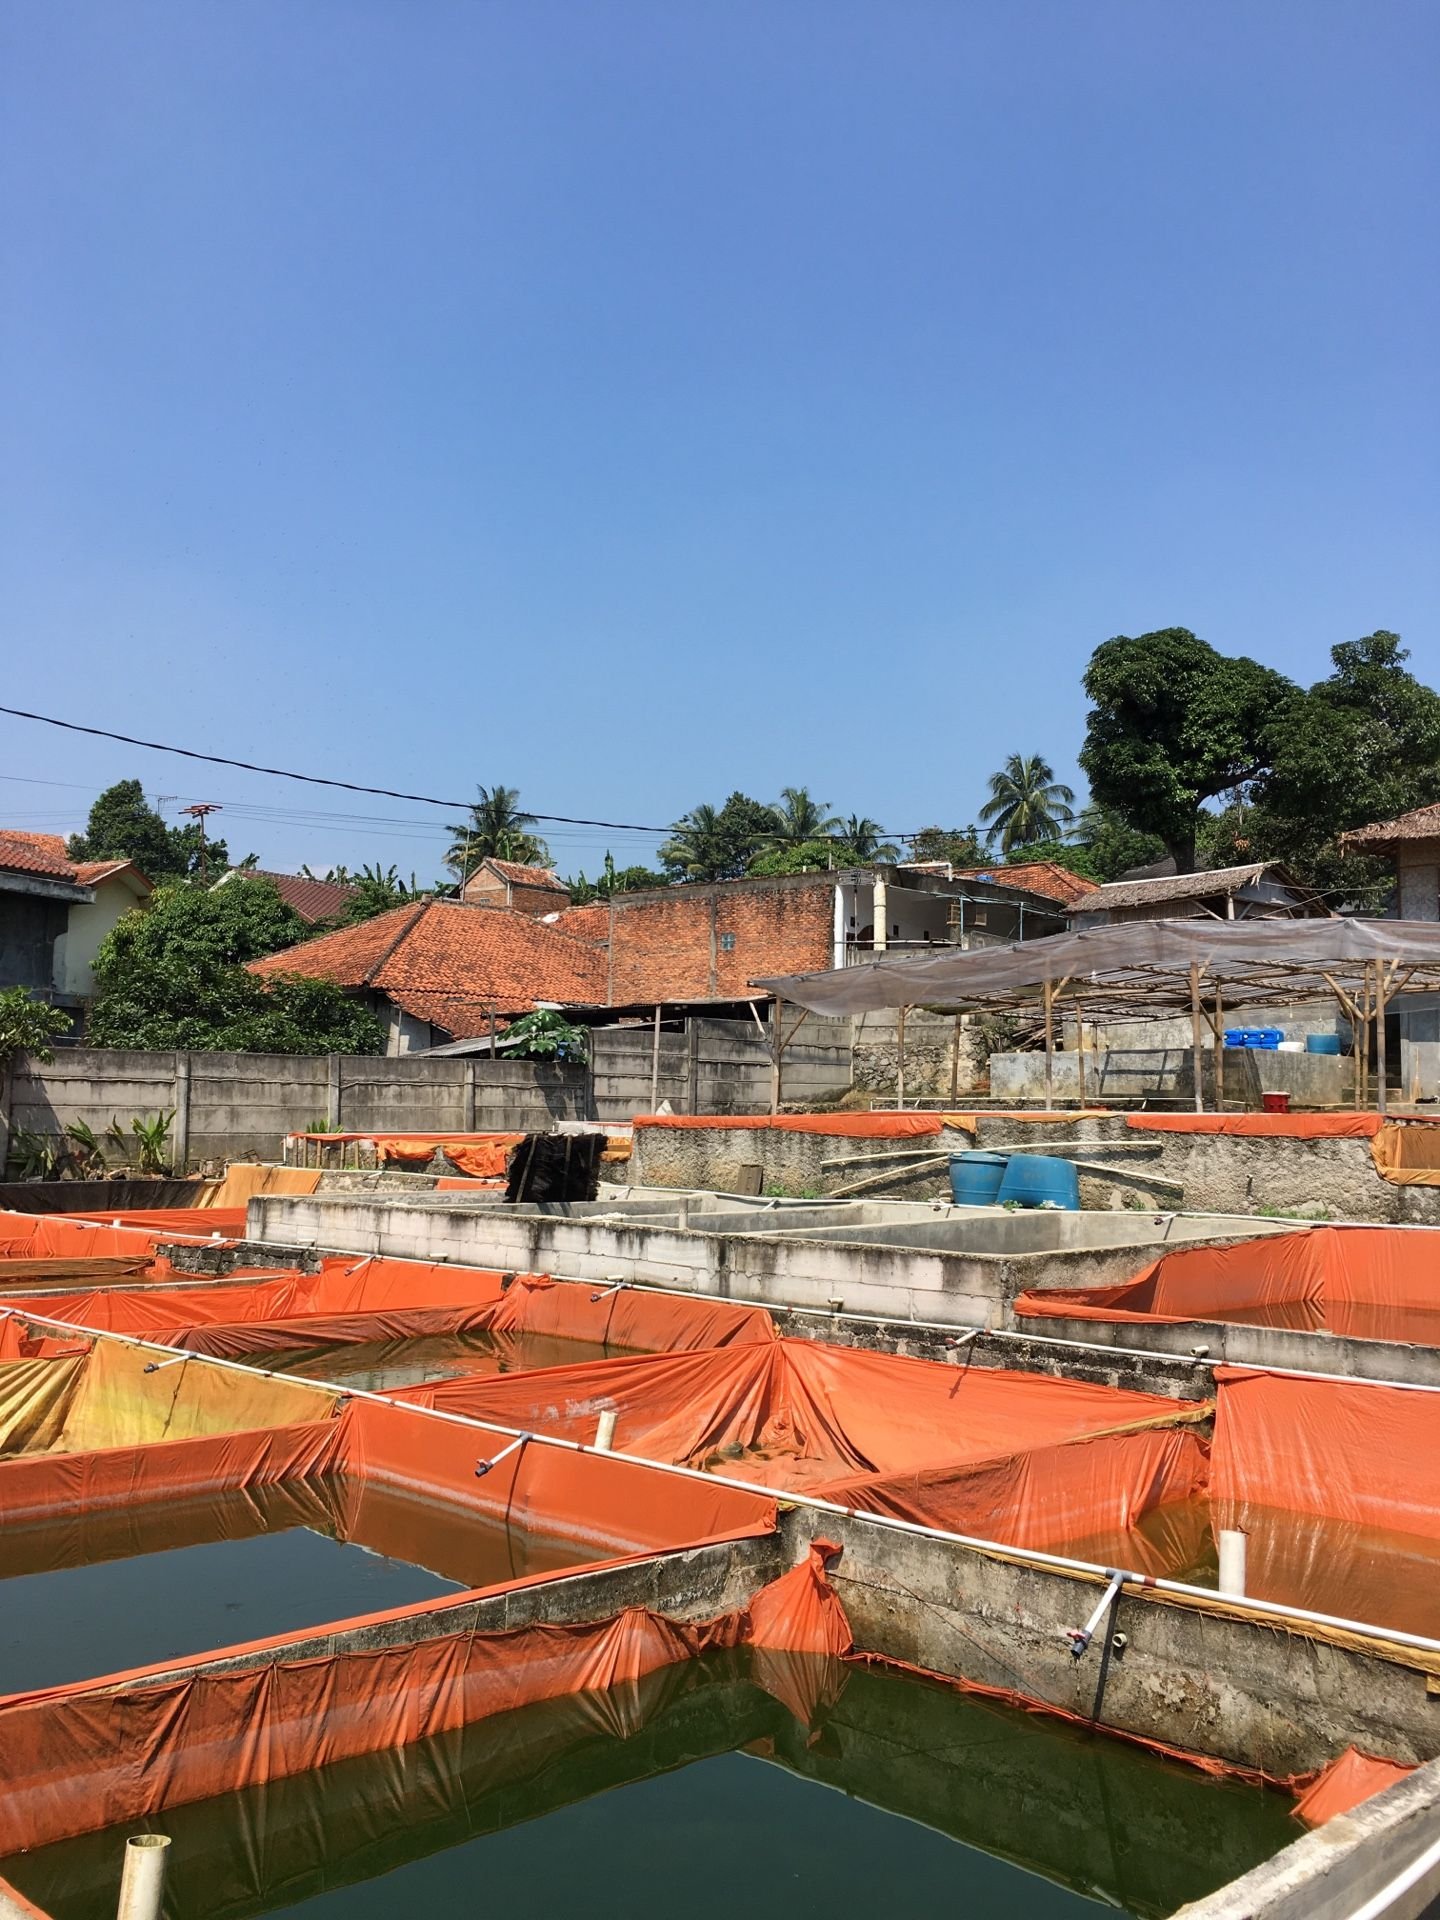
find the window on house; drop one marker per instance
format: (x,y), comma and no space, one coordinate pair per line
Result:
(727,943)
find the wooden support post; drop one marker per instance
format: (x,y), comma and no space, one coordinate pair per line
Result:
(1381,986)
(1080,1053)
(1219,1052)
(1197,1044)
(955,1056)
(900,1059)
(776,1049)
(655,1064)
(1047,992)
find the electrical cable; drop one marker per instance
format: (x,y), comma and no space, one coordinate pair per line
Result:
(386,793)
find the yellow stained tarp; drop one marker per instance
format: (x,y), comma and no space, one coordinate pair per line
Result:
(244,1180)
(1408,1156)
(119,1404)
(35,1396)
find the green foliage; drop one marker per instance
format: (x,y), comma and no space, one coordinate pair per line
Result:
(614,879)
(123,826)
(28,1025)
(959,845)
(1026,802)
(1360,745)
(799,856)
(1112,846)
(545,1035)
(32,1156)
(84,1151)
(863,844)
(711,845)
(1068,854)
(151,1138)
(1171,724)
(496,830)
(799,817)
(174,977)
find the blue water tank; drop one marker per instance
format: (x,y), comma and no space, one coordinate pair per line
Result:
(975,1178)
(1322,1043)
(1035,1180)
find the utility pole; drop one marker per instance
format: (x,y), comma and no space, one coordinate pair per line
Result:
(198,813)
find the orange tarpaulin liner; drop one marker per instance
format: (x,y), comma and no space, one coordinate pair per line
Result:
(243,1180)
(1409,1155)
(1284,1126)
(57,1236)
(883,1125)
(1358,1452)
(351,1302)
(182,1222)
(35,1397)
(974,1451)
(80,1758)
(1366,1282)
(1345,1783)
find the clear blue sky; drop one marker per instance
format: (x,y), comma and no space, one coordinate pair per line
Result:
(631,401)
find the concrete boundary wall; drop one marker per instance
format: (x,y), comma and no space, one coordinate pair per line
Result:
(715,1066)
(234,1106)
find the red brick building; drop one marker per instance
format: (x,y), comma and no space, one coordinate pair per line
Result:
(505,883)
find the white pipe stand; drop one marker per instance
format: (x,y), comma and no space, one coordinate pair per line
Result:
(1232,1562)
(142,1881)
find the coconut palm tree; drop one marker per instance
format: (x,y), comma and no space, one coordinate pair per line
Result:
(1027,802)
(694,850)
(798,817)
(864,844)
(496,830)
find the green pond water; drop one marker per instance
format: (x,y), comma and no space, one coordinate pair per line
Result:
(373,1365)
(698,1793)
(94,1594)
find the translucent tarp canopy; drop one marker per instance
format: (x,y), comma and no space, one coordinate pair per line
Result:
(1141,967)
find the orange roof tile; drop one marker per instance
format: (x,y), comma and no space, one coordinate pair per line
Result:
(44,854)
(450,964)
(312,899)
(527,876)
(1044,877)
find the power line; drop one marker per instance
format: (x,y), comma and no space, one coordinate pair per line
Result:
(386,793)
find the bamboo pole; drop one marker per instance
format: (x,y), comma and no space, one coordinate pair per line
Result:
(1197,1040)
(1219,1051)
(900,1059)
(655,1064)
(776,1049)
(1048,995)
(955,1060)
(1080,1053)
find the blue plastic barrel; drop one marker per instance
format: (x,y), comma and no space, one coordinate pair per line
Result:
(1322,1043)
(1035,1180)
(975,1178)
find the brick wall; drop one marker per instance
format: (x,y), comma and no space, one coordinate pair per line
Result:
(486,889)
(708,943)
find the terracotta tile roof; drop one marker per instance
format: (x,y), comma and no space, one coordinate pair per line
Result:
(1044,877)
(590,922)
(44,854)
(527,876)
(1422,824)
(312,899)
(450,964)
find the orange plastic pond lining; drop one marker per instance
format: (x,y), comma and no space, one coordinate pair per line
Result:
(1284,1126)
(351,1303)
(84,1757)
(1324,1268)
(168,1222)
(875,1433)
(1359,1452)
(883,1125)
(1345,1783)
(57,1236)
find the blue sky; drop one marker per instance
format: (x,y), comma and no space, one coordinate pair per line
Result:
(629,402)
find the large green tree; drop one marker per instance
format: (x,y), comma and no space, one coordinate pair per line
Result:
(1026,802)
(124,826)
(1112,846)
(959,845)
(1359,746)
(1172,723)
(497,829)
(711,844)
(174,976)
(798,816)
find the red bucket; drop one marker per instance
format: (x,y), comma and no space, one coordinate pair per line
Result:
(1275,1102)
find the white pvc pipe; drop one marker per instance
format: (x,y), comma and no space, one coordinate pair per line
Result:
(605,1430)
(1232,1561)
(142,1880)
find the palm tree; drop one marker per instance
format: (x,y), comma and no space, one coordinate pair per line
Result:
(1027,802)
(694,848)
(864,845)
(798,817)
(496,830)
